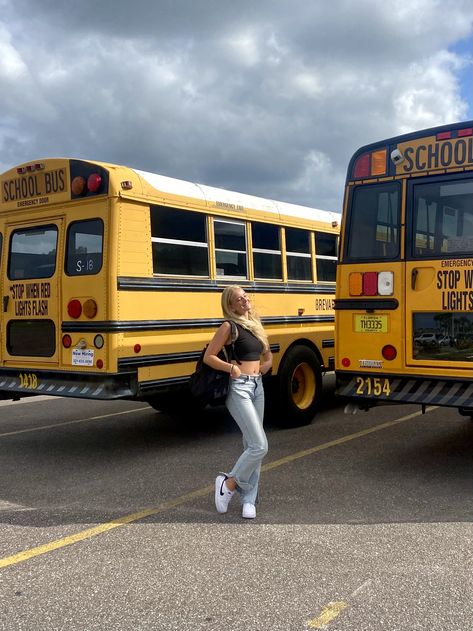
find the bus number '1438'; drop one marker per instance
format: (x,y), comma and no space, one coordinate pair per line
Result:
(373,386)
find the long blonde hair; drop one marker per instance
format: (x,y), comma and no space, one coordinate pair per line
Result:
(252,323)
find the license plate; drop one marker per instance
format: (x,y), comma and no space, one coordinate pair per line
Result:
(371,323)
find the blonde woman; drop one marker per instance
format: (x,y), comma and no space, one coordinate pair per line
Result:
(245,399)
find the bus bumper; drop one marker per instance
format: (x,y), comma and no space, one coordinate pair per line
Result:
(18,383)
(368,390)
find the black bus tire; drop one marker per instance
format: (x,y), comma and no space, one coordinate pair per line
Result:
(300,388)
(180,404)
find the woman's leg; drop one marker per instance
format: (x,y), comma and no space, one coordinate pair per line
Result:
(245,403)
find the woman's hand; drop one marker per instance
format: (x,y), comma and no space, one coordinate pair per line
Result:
(236,372)
(267,363)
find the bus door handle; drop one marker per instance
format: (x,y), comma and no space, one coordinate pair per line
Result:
(414,275)
(5,303)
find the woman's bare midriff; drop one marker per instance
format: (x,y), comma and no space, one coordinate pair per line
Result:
(249,368)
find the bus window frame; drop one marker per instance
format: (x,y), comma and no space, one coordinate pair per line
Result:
(66,251)
(326,257)
(244,224)
(447,178)
(292,254)
(266,251)
(181,242)
(32,227)
(350,229)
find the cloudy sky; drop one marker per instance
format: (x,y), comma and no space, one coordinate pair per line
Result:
(268,97)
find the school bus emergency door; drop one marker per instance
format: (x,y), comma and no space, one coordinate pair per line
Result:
(31,298)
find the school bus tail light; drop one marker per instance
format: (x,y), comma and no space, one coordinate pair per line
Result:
(371,283)
(89,308)
(371,164)
(87,179)
(79,186)
(74,308)
(66,341)
(94,182)
(389,352)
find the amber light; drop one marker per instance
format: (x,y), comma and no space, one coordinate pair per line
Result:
(90,308)
(346,362)
(378,162)
(79,185)
(355,283)
(389,352)
(74,308)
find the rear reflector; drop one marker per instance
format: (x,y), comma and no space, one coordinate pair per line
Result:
(385,283)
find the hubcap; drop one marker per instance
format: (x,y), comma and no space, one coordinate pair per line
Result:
(303,386)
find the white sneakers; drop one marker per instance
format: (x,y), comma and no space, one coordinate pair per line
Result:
(223,495)
(249,511)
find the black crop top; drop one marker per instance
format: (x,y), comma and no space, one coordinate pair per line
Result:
(247,346)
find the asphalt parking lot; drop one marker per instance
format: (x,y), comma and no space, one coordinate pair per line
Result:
(107,521)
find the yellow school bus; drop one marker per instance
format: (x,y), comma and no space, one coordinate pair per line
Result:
(112,277)
(404,305)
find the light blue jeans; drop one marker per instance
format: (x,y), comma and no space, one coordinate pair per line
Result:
(245,402)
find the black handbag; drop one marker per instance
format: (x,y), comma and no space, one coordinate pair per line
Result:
(208,385)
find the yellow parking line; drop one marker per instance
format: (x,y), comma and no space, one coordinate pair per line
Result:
(328,613)
(80,420)
(340,441)
(183,499)
(98,530)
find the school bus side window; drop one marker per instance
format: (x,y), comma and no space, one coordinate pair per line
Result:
(230,248)
(84,250)
(326,249)
(33,253)
(298,254)
(179,241)
(374,219)
(443,218)
(266,251)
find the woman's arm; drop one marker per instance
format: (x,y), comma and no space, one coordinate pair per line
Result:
(221,337)
(267,362)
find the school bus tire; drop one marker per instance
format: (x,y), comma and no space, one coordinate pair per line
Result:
(466,412)
(299,386)
(175,404)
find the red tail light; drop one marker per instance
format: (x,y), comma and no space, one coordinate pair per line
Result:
(370,283)
(74,308)
(94,182)
(389,352)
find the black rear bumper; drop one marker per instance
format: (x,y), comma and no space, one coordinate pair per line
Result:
(442,391)
(18,383)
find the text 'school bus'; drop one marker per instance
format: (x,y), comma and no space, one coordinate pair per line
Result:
(404,306)
(112,278)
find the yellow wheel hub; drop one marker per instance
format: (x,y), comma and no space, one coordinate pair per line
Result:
(303,386)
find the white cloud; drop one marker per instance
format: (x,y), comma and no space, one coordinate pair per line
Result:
(12,66)
(269,98)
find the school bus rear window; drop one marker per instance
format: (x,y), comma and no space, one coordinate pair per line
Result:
(84,247)
(33,253)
